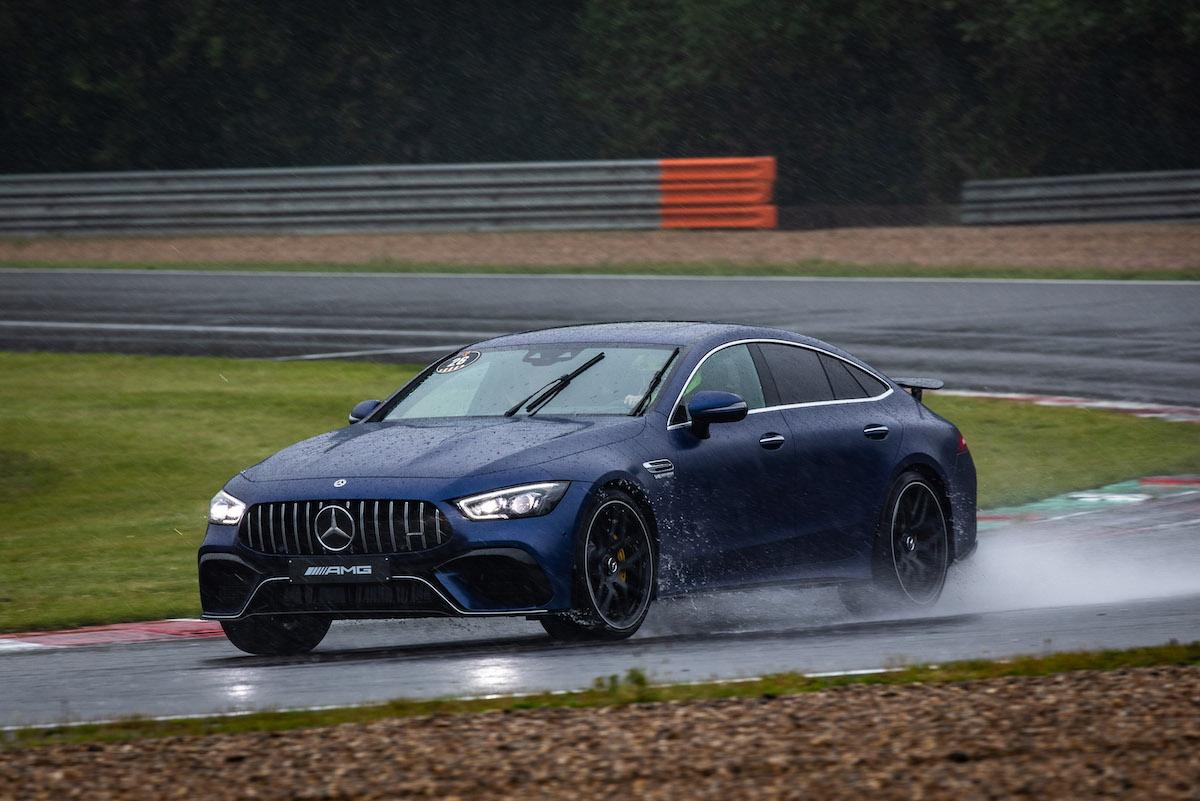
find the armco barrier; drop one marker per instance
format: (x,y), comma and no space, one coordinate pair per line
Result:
(1117,197)
(661,193)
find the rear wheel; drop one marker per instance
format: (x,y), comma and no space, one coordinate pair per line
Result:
(912,552)
(614,573)
(277,635)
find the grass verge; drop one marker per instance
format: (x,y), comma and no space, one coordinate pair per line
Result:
(109,462)
(806,268)
(633,688)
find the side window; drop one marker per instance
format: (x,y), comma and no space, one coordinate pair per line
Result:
(848,381)
(798,374)
(728,370)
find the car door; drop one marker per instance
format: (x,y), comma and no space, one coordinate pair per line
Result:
(731,491)
(845,445)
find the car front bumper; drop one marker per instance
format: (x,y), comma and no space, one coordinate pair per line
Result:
(492,567)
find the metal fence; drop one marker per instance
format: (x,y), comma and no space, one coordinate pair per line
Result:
(659,193)
(1147,196)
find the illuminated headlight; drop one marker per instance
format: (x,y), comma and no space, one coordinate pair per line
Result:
(528,500)
(225,510)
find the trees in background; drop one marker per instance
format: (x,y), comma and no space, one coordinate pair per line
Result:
(863,101)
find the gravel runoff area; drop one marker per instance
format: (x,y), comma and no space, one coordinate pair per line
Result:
(1124,246)
(1120,734)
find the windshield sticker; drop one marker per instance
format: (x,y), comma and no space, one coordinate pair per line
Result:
(458,362)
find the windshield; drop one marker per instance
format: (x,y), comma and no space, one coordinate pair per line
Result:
(485,383)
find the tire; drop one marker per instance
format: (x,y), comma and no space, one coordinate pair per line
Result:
(616,565)
(277,635)
(911,552)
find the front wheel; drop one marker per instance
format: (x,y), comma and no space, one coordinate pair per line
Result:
(277,635)
(614,573)
(912,552)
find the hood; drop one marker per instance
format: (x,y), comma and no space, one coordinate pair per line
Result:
(441,449)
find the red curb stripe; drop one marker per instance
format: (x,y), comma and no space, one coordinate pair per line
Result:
(121,633)
(1170,481)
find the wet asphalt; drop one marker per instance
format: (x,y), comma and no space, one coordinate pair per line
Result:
(1120,340)
(1112,578)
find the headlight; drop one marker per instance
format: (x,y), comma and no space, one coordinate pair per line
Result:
(225,510)
(527,500)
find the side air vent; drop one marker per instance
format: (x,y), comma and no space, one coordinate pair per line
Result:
(660,468)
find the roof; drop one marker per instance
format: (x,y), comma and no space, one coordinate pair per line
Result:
(657,332)
(646,333)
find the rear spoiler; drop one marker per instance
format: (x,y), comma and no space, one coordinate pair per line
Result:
(917,386)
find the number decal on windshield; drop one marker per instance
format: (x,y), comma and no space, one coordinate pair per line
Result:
(459,362)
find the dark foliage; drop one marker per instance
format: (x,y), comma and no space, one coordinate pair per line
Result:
(863,101)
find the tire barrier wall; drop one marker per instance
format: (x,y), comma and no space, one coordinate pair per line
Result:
(644,194)
(1116,197)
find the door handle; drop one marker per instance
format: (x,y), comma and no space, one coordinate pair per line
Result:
(875,432)
(771,441)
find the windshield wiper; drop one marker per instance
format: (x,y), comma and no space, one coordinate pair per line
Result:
(654,382)
(547,393)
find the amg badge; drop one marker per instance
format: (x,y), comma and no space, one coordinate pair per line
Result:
(338,570)
(332,570)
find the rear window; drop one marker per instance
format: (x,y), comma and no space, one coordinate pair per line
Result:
(870,383)
(849,382)
(799,377)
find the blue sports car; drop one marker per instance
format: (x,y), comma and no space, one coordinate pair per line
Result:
(573,475)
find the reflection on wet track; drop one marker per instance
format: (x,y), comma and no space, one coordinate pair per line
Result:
(1118,577)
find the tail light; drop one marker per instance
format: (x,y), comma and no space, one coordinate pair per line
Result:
(962,443)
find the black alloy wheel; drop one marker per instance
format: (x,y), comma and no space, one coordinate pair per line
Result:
(277,635)
(614,573)
(912,552)
(920,549)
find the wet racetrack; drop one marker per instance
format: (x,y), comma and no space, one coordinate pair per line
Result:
(1117,339)
(1116,577)
(1110,579)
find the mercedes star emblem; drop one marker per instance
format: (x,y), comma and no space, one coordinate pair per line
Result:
(335,528)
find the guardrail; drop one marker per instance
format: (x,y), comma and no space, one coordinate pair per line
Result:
(1116,197)
(659,193)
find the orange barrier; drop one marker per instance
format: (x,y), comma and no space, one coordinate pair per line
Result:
(706,193)
(719,217)
(717,192)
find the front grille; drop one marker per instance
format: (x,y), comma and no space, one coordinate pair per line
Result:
(379,527)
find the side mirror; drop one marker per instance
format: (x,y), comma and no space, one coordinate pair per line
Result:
(362,409)
(708,407)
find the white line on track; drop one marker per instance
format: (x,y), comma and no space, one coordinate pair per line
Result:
(833,674)
(611,276)
(73,325)
(346,354)
(1164,411)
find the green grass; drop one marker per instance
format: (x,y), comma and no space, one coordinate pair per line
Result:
(809,267)
(633,688)
(108,463)
(1025,452)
